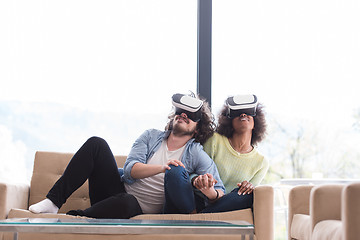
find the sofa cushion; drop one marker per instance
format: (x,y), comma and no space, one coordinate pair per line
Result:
(21,213)
(301,227)
(244,215)
(328,230)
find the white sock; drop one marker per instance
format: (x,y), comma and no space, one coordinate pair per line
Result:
(44,206)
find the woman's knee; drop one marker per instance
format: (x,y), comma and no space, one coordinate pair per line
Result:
(246,201)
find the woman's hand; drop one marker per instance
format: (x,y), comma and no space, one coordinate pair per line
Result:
(245,187)
(171,162)
(204,181)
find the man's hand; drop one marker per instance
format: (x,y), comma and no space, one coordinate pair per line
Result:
(245,188)
(172,162)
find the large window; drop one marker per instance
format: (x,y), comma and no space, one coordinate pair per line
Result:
(73,69)
(302,60)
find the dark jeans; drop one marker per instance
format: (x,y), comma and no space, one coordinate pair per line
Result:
(94,161)
(230,202)
(181,197)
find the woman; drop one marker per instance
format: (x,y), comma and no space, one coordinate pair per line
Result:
(241,126)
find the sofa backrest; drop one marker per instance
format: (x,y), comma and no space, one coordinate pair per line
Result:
(48,167)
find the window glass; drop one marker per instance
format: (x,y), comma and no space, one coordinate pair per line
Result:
(301,59)
(70,70)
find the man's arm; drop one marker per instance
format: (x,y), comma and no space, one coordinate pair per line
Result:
(138,154)
(143,170)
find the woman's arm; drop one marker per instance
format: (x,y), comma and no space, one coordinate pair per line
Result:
(205,183)
(246,187)
(260,174)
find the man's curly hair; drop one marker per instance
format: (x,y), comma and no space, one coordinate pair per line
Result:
(205,127)
(226,129)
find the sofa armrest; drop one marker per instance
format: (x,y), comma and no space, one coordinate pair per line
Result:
(351,211)
(299,203)
(13,196)
(325,203)
(264,212)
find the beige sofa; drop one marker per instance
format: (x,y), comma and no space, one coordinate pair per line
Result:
(48,167)
(330,212)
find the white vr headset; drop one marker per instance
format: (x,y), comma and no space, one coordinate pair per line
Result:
(189,105)
(240,104)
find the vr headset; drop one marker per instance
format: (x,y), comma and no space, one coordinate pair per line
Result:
(189,105)
(240,104)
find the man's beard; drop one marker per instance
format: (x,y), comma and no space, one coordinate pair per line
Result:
(179,132)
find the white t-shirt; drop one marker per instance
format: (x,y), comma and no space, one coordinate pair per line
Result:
(150,191)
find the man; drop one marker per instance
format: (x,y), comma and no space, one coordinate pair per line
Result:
(139,187)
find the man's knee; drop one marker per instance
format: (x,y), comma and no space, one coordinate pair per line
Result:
(96,141)
(176,172)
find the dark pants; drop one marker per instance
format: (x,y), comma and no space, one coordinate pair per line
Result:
(181,197)
(94,161)
(230,202)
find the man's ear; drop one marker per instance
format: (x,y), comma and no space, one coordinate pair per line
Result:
(197,128)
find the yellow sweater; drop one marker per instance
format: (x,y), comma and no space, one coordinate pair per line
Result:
(235,167)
